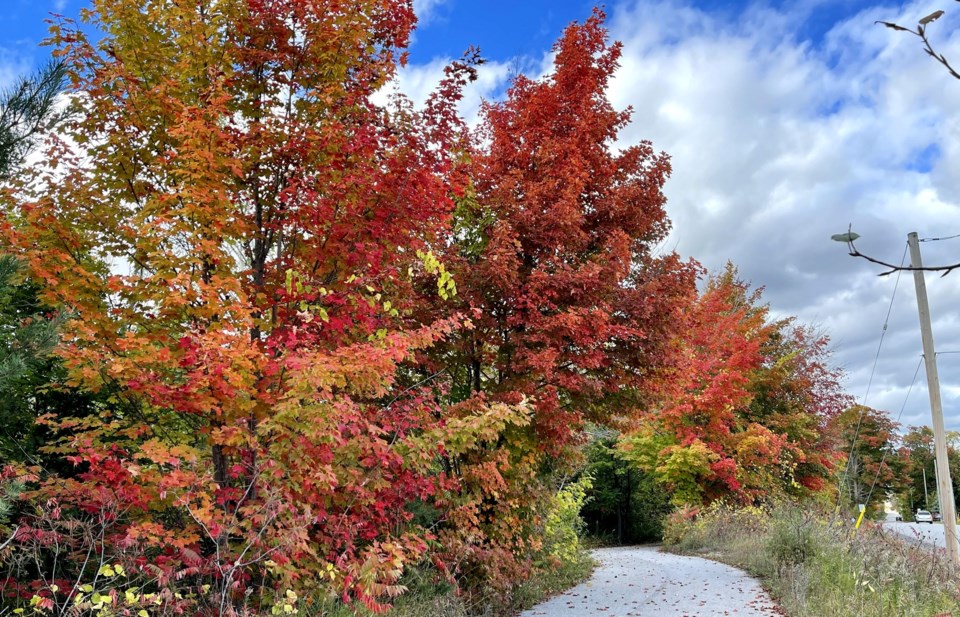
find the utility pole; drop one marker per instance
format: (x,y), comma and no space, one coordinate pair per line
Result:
(944,484)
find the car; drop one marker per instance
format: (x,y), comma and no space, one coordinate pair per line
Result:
(923,516)
(936,516)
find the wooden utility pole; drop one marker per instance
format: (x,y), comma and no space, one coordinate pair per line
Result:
(944,484)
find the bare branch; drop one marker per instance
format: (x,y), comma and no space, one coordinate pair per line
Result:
(946,269)
(10,539)
(921,33)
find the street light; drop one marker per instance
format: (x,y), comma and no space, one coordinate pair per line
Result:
(846,238)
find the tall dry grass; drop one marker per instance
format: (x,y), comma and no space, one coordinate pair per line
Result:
(817,566)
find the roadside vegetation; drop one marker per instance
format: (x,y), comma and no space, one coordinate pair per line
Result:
(429,596)
(817,565)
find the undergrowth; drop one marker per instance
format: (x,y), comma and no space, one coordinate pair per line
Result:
(559,562)
(819,567)
(432,599)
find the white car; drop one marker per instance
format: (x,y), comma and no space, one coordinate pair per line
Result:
(923,516)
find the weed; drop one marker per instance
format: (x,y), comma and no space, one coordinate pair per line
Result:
(819,566)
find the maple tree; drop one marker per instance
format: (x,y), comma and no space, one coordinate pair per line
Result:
(554,258)
(745,415)
(575,302)
(914,480)
(917,460)
(871,469)
(798,394)
(231,223)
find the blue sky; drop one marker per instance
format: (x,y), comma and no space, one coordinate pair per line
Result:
(503,29)
(510,28)
(786,121)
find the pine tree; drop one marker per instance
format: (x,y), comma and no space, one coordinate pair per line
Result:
(27,334)
(27,109)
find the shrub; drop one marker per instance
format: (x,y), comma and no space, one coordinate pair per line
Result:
(680,527)
(563,524)
(791,538)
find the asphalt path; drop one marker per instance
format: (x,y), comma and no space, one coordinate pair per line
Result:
(642,581)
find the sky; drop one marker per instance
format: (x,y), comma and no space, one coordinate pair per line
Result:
(786,122)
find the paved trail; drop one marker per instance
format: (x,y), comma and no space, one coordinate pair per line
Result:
(641,582)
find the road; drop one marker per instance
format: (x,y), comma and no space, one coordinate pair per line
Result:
(642,582)
(923,533)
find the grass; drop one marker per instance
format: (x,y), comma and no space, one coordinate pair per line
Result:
(816,567)
(551,581)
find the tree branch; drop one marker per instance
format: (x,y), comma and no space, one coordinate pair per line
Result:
(921,33)
(945,269)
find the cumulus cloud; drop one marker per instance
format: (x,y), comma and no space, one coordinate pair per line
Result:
(777,143)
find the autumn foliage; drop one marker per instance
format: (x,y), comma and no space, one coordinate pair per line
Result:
(746,414)
(329,340)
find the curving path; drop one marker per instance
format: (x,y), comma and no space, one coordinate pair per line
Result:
(642,581)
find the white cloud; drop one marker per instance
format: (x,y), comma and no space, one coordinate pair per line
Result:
(425,9)
(418,81)
(776,144)
(12,68)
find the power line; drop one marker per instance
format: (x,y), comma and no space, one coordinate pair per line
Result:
(939,239)
(890,446)
(863,401)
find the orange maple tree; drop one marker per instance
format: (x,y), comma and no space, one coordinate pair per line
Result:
(746,414)
(234,227)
